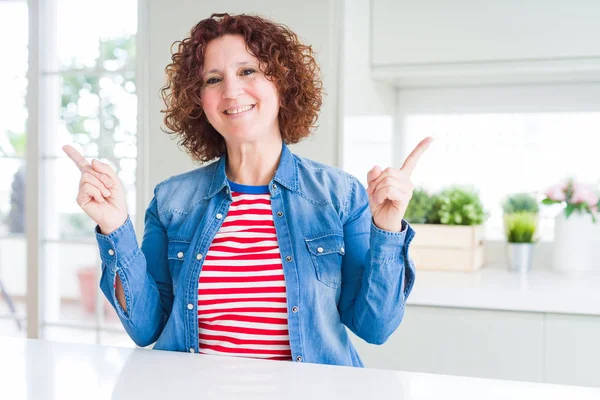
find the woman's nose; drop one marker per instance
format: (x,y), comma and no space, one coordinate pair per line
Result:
(233,88)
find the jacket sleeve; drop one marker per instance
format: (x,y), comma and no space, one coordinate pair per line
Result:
(144,273)
(377,272)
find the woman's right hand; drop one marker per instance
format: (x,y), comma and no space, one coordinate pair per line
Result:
(101,194)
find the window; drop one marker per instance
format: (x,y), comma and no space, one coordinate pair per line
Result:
(88,79)
(504,140)
(87,90)
(13,117)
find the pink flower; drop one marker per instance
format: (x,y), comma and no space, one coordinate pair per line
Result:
(557,192)
(583,194)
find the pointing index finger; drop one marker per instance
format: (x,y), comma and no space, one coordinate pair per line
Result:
(76,156)
(413,158)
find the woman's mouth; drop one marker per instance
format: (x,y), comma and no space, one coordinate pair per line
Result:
(239,110)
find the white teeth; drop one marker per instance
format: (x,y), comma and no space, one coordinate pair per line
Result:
(233,111)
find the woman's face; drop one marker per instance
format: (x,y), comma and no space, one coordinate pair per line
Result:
(239,101)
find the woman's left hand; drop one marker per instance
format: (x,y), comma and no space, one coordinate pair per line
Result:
(390,190)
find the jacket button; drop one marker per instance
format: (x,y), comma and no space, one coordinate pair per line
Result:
(288,258)
(279,214)
(199,256)
(111,252)
(320,249)
(274,186)
(299,358)
(190,306)
(295,309)
(219,216)
(180,254)
(192,350)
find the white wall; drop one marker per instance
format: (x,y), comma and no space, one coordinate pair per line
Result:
(315,21)
(361,95)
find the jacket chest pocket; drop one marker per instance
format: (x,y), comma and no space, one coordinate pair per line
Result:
(326,252)
(176,253)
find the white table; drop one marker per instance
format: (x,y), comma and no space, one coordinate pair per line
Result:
(37,369)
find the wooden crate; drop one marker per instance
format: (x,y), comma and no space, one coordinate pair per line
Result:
(447,247)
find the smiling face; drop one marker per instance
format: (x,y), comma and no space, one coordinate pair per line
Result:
(237,98)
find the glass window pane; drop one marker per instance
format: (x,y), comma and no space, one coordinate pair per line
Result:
(83,40)
(63,218)
(72,274)
(13,119)
(67,334)
(116,338)
(90,102)
(506,153)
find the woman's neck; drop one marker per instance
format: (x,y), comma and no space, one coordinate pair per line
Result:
(253,163)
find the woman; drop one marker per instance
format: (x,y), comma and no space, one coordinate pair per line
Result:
(262,253)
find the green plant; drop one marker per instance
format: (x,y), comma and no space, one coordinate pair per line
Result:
(520,202)
(520,227)
(419,207)
(456,206)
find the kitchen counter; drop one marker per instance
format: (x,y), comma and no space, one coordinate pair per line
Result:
(500,289)
(37,369)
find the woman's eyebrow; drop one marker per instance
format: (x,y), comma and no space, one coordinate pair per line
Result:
(239,64)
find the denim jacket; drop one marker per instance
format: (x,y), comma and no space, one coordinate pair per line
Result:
(340,270)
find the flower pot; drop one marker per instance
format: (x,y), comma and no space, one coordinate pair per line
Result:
(520,256)
(447,247)
(88,287)
(576,243)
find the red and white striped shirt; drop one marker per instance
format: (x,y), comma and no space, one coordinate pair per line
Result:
(242,307)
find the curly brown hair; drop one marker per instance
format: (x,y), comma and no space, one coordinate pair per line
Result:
(289,64)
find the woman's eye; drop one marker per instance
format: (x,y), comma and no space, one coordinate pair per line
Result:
(212,81)
(248,71)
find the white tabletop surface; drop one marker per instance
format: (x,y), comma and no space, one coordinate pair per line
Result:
(37,369)
(499,289)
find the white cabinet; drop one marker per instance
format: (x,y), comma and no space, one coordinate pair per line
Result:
(487,344)
(514,345)
(484,41)
(573,349)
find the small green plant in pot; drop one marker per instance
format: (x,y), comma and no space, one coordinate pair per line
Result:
(449,226)
(457,206)
(419,207)
(520,226)
(520,202)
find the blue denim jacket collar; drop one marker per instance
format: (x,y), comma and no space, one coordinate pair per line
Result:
(286,174)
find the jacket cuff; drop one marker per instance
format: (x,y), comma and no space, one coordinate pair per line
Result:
(390,245)
(119,246)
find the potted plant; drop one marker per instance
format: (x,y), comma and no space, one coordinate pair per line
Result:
(520,228)
(450,236)
(576,231)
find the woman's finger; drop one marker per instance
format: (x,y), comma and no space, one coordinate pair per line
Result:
(87,177)
(105,179)
(404,185)
(105,169)
(76,156)
(89,192)
(391,193)
(388,172)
